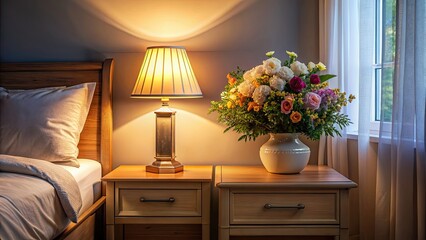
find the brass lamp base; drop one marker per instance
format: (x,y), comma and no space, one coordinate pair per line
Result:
(164,166)
(165,142)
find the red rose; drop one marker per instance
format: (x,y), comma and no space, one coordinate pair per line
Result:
(315,79)
(297,84)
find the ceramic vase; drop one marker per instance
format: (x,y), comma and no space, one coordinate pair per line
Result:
(284,153)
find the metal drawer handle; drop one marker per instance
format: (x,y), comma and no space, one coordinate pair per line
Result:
(298,206)
(169,200)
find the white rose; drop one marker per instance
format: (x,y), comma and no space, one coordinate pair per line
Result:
(258,71)
(276,83)
(299,68)
(248,75)
(285,73)
(260,94)
(246,88)
(311,66)
(271,65)
(254,73)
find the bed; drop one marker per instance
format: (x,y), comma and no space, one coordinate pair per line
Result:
(95,138)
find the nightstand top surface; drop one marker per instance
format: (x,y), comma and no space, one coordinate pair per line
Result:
(138,173)
(257,176)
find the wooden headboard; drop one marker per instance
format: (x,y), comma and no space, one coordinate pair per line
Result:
(95,140)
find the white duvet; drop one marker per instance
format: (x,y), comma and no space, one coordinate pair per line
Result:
(88,177)
(37,198)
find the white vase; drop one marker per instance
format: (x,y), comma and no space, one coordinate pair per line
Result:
(284,153)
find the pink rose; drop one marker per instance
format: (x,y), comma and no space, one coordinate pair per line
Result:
(287,105)
(315,79)
(297,84)
(312,100)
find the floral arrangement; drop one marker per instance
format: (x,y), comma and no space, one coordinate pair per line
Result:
(281,97)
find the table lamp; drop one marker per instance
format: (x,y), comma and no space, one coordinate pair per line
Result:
(166,73)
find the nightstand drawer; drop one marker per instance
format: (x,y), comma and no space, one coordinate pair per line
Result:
(158,202)
(317,207)
(145,205)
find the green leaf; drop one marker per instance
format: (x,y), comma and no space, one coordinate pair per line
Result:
(326,77)
(243,137)
(227,129)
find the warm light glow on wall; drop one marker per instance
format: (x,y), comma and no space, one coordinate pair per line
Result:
(164,20)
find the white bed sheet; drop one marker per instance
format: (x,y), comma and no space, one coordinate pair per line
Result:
(88,177)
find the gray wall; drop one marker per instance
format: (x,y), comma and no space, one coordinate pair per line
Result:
(50,30)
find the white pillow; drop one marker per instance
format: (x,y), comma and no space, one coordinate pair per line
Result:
(44,123)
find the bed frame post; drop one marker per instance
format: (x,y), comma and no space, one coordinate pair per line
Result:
(106,122)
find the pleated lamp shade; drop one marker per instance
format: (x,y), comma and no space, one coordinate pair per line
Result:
(166,73)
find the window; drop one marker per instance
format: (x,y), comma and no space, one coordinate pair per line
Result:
(383,67)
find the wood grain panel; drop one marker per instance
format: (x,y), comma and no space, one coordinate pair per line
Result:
(245,190)
(37,79)
(158,185)
(282,238)
(137,172)
(50,66)
(320,208)
(285,231)
(157,220)
(162,232)
(257,176)
(187,202)
(85,232)
(106,118)
(152,220)
(82,224)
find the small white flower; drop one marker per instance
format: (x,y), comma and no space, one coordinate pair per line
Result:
(223,94)
(276,83)
(285,73)
(299,68)
(321,66)
(246,88)
(311,66)
(291,54)
(261,93)
(270,53)
(271,65)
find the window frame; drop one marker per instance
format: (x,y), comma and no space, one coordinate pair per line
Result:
(377,74)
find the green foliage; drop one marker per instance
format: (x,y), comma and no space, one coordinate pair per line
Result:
(389,37)
(326,77)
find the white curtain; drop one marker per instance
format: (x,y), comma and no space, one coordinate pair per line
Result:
(350,57)
(339,51)
(366,150)
(401,165)
(392,177)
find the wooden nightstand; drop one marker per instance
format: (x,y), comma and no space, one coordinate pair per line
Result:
(143,205)
(254,203)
